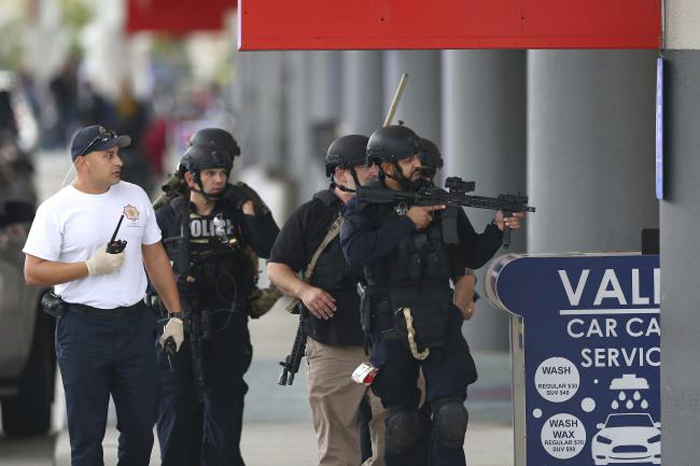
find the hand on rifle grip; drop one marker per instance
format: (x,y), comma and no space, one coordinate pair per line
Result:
(506,229)
(506,221)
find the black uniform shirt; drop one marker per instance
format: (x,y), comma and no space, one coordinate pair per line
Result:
(296,244)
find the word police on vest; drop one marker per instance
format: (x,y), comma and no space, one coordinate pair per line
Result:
(211,228)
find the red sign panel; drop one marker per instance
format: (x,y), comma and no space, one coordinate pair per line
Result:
(448,24)
(176,16)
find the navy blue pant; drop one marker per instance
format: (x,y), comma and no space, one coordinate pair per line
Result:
(207,433)
(103,355)
(365,417)
(447,370)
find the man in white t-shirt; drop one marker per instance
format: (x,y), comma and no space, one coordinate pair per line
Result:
(104,337)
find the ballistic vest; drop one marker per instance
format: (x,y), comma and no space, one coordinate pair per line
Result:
(332,272)
(224,273)
(415,275)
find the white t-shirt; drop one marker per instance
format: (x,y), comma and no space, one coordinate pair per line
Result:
(70,225)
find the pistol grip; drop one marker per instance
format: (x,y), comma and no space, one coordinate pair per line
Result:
(506,230)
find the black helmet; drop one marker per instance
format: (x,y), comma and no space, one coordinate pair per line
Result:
(200,157)
(392,143)
(430,156)
(346,152)
(218,139)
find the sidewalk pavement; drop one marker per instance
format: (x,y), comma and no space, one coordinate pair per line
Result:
(277,428)
(293,444)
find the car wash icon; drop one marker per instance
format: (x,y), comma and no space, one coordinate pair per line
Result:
(630,389)
(628,435)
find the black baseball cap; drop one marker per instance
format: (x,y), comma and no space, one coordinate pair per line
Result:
(95,137)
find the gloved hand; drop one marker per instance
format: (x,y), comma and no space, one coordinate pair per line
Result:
(102,262)
(175,329)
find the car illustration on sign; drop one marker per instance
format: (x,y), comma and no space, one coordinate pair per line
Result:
(627,438)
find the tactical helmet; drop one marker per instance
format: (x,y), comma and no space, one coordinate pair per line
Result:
(430,156)
(392,143)
(346,152)
(218,139)
(199,157)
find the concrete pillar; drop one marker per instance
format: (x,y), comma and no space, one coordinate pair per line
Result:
(305,164)
(325,78)
(363,108)
(590,149)
(420,106)
(680,255)
(325,97)
(484,134)
(258,108)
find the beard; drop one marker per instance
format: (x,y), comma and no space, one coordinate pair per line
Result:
(413,182)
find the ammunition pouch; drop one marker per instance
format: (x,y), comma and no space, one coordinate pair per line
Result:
(429,312)
(332,272)
(365,309)
(53,305)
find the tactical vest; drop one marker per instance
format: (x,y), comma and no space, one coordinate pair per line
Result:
(332,271)
(415,275)
(333,274)
(213,260)
(419,260)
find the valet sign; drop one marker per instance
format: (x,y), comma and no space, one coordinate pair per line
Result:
(592,355)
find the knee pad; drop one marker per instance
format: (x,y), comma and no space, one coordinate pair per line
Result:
(450,420)
(402,429)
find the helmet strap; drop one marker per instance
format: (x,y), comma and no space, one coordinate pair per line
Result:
(406,183)
(210,197)
(354,177)
(345,189)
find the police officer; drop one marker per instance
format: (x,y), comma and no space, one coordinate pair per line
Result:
(413,323)
(465,281)
(330,308)
(206,235)
(104,337)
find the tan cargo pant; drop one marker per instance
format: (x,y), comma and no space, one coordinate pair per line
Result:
(335,399)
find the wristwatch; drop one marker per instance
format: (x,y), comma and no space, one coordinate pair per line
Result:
(176,314)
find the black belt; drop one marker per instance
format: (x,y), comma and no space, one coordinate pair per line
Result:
(96,312)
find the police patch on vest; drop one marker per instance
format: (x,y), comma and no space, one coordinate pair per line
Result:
(402,208)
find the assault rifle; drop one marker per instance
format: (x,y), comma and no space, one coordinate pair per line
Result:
(454,197)
(291,363)
(195,328)
(194,335)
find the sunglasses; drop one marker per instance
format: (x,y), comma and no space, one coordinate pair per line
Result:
(104,136)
